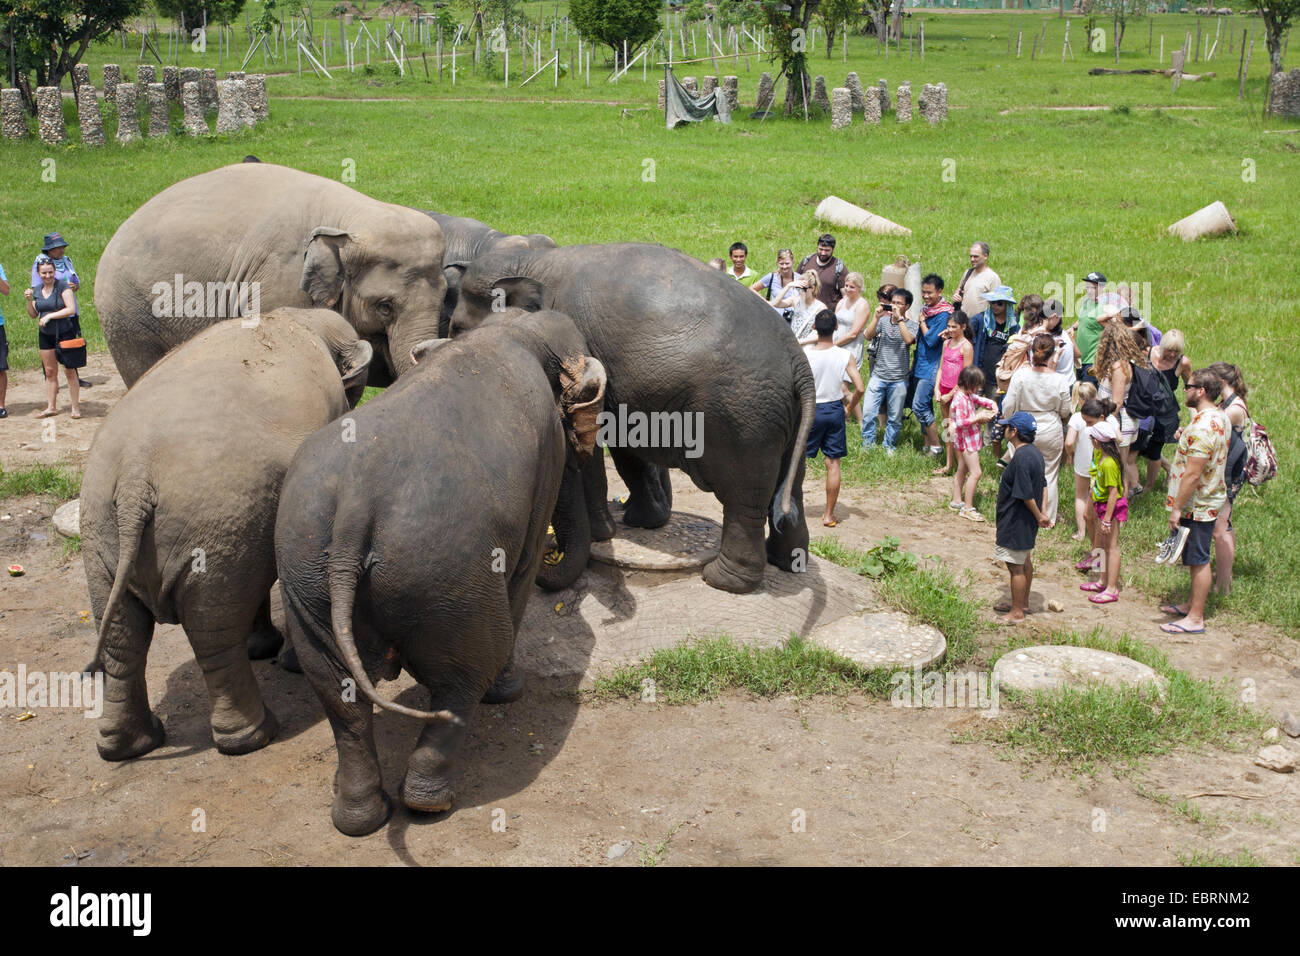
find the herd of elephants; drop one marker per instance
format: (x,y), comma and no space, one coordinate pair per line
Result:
(407,533)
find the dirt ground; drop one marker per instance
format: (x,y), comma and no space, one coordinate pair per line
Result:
(552,780)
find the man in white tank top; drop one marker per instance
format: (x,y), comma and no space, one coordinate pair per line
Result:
(830,363)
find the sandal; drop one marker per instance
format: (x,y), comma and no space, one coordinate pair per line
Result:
(1105,597)
(47,413)
(1094,586)
(1085,564)
(956,506)
(1172,609)
(941,472)
(971,514)
(1002,608)
(75,414)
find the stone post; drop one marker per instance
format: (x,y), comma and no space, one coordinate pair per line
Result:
(871,107)
(196,124)
(208,85)
(257,101)
(191,74)
(13,120)
(841,107)
(88,118)
(49,115)
(820,99)
(766,92)
(710,84)
(243,111)
(1285,98)
(80,77)
(884,96)
(172,83)
(227,110)
(690,86)
(663,95)
(236,75)
(731,87)
(128,124)
(144,75)
(157,98)
(112,77)
(904,111)
(856,94)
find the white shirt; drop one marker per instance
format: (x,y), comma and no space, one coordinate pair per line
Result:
(828,368)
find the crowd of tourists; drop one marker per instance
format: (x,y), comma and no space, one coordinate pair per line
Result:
(1098,397)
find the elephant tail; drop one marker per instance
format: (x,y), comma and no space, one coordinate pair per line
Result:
(343,575)
(805,389)
(134,504)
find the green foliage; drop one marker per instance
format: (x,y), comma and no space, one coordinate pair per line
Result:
(218,11)
(836,13)
(266,21)
(612,22)
(1243,857)
(55,480)
(789,23)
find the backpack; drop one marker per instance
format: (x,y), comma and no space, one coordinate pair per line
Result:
(1261,459)
(1149,397)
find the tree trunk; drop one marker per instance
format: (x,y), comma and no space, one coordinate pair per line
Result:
(798,87)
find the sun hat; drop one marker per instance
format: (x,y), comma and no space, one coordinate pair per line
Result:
(1001,294)
(1022,422)
(53,241)
(1102,431)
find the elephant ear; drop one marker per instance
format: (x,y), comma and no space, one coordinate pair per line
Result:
(582,382)
(322,266)
(422,350)
(521,292)
(356,366)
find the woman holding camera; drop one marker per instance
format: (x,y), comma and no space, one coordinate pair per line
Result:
(800,296)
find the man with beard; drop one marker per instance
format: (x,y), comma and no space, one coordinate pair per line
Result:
(830,271)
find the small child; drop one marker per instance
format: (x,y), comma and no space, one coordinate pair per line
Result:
(963,429)
(1112,510)
(830,364)
(1079,447)
(957,354)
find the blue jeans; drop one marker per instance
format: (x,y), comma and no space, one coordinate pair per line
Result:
(923,402)
(893,394)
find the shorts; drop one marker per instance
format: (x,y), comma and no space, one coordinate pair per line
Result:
(1121,510)
(1197,549)
(923,401)
(1128,429)
(1155,444)
(4,350)
(46,341)
(827,433)
(1010,556)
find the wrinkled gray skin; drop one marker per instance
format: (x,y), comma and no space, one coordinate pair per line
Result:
(467,239)
(178,506)
(305,240)
(416,545)
(674,336)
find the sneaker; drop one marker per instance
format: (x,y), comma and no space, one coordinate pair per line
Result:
(4,413)
(1171,549)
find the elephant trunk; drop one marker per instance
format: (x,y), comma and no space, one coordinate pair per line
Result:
(572,535)
(806,391)
(343,588)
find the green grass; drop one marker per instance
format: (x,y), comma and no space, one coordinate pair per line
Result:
(1083,728)
(1243,857)
(1053,192)
(69,547)
(56,480)
(702,670)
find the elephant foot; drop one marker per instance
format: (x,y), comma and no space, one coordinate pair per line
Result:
(126,743)
(427,795)
(507,688)
(246,741)
(602,526)
(263,643)
(727,575)
(358,818)
(288,660)
(646,514)
(794,560)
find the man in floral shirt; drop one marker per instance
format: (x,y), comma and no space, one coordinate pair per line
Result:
(1197,490)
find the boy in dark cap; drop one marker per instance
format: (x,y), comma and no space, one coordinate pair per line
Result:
(1020,514)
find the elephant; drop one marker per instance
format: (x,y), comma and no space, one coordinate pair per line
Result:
(680,338)
(178,504)
(255,237)
(416,544)
(467,239)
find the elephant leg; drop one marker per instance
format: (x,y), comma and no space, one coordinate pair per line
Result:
(595,490)
(787,548)
(127,727)
(572,534)
(508,686)
(241,723)
(427,786)
(648,504)
(360,805)
(739,565)
(264,640)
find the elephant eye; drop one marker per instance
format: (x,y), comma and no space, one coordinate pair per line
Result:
(384,307)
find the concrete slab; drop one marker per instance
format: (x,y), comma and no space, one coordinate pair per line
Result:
(1049,667)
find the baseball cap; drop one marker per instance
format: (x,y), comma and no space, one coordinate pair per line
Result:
(1022,422)
(1096,277)
(1102,431)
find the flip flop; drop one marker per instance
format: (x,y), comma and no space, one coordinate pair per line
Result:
(1172,609)
(1085,564)
(1105,597)
(47,413)
(830,524)
(1173,628)
(75,415)
(1095,587)
(1002,608)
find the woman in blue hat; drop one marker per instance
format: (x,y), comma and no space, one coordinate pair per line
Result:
(55,249)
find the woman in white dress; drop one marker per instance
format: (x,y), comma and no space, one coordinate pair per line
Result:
(851,317)
(1039,389)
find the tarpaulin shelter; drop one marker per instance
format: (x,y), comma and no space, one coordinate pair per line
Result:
(680,107)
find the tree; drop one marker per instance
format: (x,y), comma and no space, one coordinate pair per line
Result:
(615,22)
(834,13)
(789,22)
(1121,12)
(49,37)
(193,11)
(1277,16)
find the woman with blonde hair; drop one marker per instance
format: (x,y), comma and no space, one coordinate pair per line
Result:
(1039,389)
(800,296)
(851,315)
(1114,375)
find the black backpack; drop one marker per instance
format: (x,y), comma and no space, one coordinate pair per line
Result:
(1149,397)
